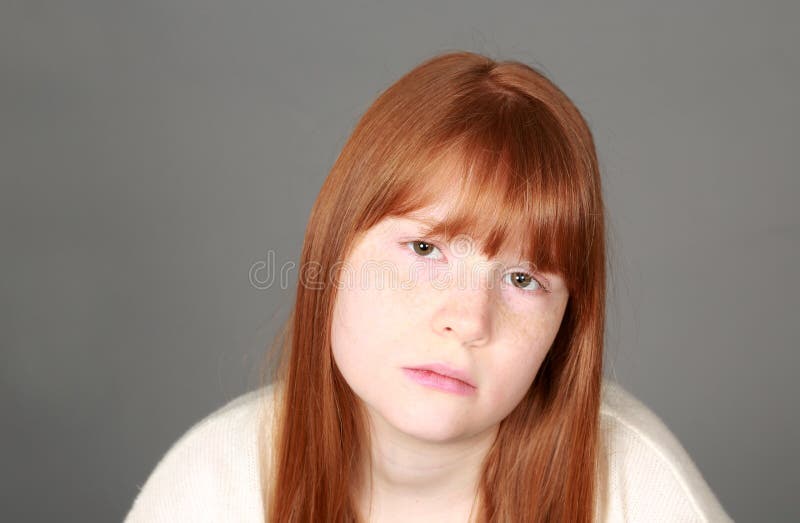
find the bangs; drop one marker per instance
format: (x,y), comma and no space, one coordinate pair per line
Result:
(516,185)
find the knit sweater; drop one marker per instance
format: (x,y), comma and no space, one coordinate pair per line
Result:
(212,472)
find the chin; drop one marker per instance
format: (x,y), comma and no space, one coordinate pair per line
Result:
(426,418)
(432,433)
(428,425)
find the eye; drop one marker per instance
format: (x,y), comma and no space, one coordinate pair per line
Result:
(525,281)
(423,248)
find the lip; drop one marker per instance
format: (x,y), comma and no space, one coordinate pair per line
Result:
(445,370)
(433,380)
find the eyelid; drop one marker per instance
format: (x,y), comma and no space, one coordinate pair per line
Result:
(424,240)
(540,280)
(543,287)
(531,272)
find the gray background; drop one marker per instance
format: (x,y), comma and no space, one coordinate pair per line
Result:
(153,151)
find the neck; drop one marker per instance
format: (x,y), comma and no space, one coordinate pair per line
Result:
(411,476)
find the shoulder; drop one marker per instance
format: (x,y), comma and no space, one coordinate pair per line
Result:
(649,475)
(212,472)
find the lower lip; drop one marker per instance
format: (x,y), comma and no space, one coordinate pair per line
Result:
(439,382)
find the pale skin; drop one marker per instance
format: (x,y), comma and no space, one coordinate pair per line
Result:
(395,310)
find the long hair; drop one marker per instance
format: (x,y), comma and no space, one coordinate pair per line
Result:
(524,161)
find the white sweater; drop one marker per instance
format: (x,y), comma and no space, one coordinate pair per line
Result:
(211,473)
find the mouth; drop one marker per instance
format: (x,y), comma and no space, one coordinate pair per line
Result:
(441,377)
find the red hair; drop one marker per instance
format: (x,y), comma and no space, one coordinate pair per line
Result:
(524,161)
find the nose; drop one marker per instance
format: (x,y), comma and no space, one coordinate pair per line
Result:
(465,314)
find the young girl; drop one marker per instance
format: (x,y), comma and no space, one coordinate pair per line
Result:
(443,362)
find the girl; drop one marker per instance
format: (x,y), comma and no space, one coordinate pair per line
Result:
(443,361)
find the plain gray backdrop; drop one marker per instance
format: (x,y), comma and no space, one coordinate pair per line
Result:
(152,152)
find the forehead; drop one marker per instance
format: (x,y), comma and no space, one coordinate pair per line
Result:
(510,208)
(438,214)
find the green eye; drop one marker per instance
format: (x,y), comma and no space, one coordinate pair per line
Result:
(524,281)
(423,248)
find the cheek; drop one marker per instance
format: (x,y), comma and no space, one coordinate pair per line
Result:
(351,332)
(514,369)
(369,328)
(513,378)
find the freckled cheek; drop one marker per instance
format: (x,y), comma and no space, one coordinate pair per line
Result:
(524,349)
(510,382)
(532,327)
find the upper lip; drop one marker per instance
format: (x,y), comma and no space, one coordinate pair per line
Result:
(446,370)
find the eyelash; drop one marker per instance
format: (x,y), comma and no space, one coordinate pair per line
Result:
(542,287)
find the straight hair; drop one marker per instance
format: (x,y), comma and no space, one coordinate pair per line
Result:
(524,162)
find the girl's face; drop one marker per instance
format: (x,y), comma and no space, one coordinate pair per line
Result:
(406,302)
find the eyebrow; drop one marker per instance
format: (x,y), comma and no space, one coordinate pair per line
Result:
(429,222)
